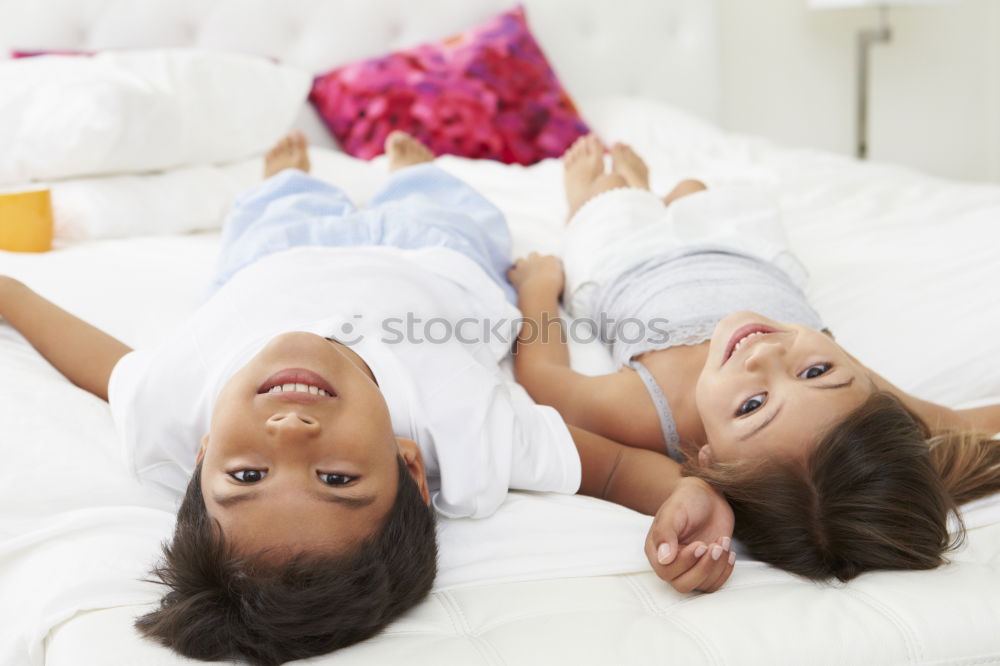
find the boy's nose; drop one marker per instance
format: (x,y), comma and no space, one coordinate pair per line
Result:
(293,423)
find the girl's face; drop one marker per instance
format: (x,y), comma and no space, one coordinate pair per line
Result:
(771,389)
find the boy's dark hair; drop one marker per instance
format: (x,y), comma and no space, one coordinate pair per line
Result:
(225,606)
(875,493)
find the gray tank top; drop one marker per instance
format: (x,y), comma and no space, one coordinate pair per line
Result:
(678,298)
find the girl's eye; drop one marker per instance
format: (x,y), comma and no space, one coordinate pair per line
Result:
(751,404)
(335,479)
(814,371)
(248,475)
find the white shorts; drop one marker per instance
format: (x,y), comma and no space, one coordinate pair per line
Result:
(622,227)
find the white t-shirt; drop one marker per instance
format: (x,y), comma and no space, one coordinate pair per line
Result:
(479,432)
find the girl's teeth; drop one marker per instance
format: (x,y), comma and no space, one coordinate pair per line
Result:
(744,339)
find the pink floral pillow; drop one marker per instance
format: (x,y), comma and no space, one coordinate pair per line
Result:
(488,93)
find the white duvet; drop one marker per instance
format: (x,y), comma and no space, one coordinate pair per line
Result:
(905,271)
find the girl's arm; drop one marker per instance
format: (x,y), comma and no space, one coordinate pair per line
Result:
(84,354)
(602,404)
(939,417)
(986,419)
(688,544)
(640,479)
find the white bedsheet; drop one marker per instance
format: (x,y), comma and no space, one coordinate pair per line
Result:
(905,271)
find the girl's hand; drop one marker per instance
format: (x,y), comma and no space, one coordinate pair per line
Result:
(689,543)
(536,271)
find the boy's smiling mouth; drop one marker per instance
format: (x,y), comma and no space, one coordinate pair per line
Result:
(297,384)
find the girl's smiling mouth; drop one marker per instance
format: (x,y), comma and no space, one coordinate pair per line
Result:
(743,336)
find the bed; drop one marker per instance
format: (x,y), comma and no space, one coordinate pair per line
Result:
(904,268)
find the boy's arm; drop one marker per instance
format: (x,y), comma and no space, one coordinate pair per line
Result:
(688,543)
(542,363)
(84,354)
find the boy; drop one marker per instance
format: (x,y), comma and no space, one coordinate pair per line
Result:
(341,381)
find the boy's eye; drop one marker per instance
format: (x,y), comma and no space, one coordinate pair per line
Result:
(248,475)
(335,479)
(753,403)
(814,371)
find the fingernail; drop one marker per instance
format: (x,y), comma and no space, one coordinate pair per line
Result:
(732,557)
(663,552)
(700,550)
(716,551)
(726,542)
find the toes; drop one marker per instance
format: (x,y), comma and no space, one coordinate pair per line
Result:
(587,147)
(621,152)
(617,152)
(575,150)
(594,145)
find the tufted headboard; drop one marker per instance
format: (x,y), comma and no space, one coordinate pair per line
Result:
(660,49)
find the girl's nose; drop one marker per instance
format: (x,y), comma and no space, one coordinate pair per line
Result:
(764,352)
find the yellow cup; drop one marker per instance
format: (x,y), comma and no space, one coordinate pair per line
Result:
(26,221)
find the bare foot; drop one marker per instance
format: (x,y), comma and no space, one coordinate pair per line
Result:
(682,189)
(291,152)
(404,150)
(583,164)
(627,164)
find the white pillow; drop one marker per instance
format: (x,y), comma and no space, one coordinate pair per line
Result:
(185,199)
(134,111)
(174,201)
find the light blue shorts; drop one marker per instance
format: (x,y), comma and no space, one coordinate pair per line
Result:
(419,206)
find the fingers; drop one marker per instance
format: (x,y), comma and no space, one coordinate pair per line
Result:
(727,562)
(709,573)
(681,562)
(696,566)
(661,547)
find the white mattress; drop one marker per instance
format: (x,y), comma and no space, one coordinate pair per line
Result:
(905,271)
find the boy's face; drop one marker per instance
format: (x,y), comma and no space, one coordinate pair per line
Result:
(296,470)
(775,392)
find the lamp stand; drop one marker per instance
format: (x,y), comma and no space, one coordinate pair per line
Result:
(866,38)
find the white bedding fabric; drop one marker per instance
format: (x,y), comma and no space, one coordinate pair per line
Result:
(904,271)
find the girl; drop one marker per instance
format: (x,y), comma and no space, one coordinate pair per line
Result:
(831,470)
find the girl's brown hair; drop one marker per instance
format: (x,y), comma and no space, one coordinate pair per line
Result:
(875,493)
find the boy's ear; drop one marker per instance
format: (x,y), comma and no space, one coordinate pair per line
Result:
(414,460)
(705,457)
(201,451)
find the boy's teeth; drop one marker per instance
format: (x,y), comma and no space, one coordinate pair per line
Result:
(301,388)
